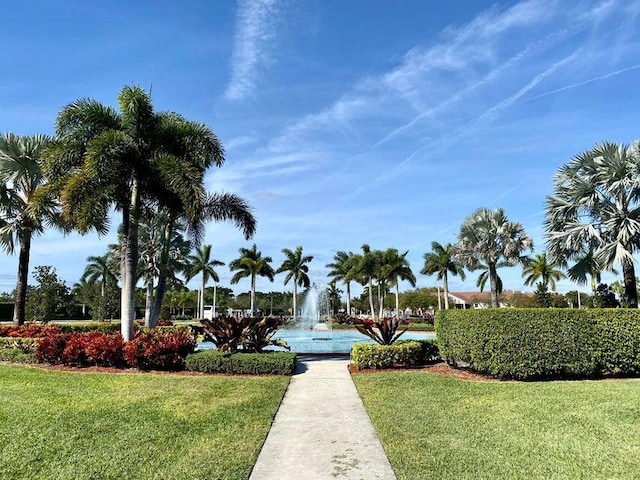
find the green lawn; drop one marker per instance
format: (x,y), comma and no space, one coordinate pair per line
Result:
(439,427)
(68,425)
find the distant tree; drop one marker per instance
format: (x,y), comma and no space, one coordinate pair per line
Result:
(539,268)
(49,297)
(334,294)
(488,237)
(202,263)
(297,269)
(442,262)
(251,264)
(341,268)
(543,297)
(395,267)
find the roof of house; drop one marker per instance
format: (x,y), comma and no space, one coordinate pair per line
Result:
(485,297)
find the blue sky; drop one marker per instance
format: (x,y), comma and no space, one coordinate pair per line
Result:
(344,122)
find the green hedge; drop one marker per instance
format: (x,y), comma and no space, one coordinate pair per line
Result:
(407,353)
(212,361)
(102,327)
(16,355)
(528,344)
(19,343)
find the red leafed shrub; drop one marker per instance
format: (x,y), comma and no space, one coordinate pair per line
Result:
(105,350)
(82,349)
(29,330)
(50,349)
(153,349)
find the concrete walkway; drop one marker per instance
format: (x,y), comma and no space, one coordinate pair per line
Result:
(322,430)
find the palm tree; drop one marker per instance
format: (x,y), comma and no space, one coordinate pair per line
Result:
(83,292)
(105,159)
(488,237)
(365,272)
(539,268)
(395,267)
(596,208)
(342,264)
(99,270)
(333,295)
(25,207)
(588,265)
(251,264)
(484,276)
(201,262)
(295,264)
(441,261)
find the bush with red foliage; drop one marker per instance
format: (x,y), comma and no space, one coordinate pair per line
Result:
(81,349)
(158,350)
(50,349)
(29,330)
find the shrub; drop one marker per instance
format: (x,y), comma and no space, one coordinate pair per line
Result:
(541,343)
(50,349)
(103,327)
(382,331)
(26,345)
(158,350)
(252,334)
(213,361)
(16,355)
(82,349)
(28,330)
(406,354)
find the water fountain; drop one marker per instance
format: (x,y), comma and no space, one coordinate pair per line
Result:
(315,313)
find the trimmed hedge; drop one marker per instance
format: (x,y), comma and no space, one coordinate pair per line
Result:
(19,343)
(102,327)
(15,355)
(527,344)
(406,353)
(265,363)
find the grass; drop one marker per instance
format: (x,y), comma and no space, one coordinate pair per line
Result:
(439,427)
(69,425)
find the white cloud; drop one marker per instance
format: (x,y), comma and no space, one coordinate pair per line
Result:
(254,42)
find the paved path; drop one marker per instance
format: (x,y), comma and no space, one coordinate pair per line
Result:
(322,430)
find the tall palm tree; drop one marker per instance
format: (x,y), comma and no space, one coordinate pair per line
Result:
(442,261)
(365,272)
(83,292)
(540,268)
(395,267)
(104,158)
(342,264)
(488,237)
(25,207)
(295,264)
(251,264)
(202,263)
(596,207)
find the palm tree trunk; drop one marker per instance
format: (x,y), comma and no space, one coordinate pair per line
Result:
(373,312)
(348,299)
(128,296)
(161,288)
(148,303)
(295,299)
(445,281)
(380,300)
(21,284)
(397,297)
(215,294)
(253,295)
(630,287)
(493,281)
(204,284)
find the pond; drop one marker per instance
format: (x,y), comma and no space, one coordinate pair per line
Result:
(337,341)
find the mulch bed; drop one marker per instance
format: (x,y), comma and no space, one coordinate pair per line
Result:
(437,368)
